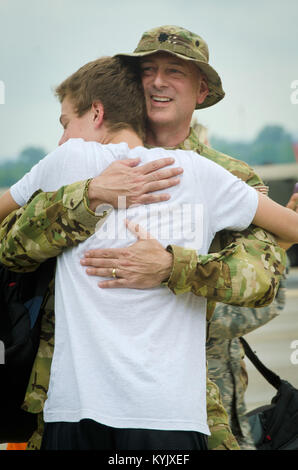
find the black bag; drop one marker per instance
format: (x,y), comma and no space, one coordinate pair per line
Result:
(274,426)
(21,297)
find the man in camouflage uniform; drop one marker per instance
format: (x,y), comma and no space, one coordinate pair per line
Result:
(245,272)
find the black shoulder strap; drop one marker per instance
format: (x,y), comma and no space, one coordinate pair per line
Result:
(43,276)
(269,375)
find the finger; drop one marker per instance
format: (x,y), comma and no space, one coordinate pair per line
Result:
(131,161)
(103,253)
(292,204)
(137,230)
(115,283)
(105,272)
(294,197)
(152,198)
(99,262)
(155,165)
(163,174)
(160,185)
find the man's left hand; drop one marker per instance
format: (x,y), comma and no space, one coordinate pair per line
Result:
(142,265)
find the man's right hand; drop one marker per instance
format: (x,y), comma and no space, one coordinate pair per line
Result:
(293,202)
(136,183)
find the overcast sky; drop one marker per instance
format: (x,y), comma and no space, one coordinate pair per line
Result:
(253,45)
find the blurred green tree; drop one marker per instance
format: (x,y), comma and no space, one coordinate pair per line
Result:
(272,145)
(12,170)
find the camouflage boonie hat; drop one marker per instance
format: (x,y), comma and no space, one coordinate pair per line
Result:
(186,45)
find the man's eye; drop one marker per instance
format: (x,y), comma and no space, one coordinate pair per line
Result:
(175,71)
(145,70)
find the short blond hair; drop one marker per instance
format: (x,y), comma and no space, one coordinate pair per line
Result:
(116,83)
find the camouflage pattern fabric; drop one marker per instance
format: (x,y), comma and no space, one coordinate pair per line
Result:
(47,224)
(225,356)
(39,381)
(235,275)
(36,393)
(221,437)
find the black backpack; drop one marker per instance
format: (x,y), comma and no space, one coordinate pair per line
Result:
(21,297)
(274,426)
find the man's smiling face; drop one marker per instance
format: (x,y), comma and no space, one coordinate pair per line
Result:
(172,88)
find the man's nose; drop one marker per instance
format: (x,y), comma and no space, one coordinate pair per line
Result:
(159,79)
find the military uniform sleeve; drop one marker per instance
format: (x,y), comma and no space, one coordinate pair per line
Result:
(245,273)
(230,322)
(246,268)
(46,225)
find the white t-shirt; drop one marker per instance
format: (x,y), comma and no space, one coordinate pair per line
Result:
(132,358)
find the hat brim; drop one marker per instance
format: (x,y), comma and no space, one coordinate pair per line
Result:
(216,92)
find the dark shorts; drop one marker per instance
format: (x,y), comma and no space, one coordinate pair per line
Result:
(90,435)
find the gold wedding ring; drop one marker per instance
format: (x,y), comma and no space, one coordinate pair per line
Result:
(114,273)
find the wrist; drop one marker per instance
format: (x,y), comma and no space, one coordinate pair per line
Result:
(94,194)
(168,267)
(183,269)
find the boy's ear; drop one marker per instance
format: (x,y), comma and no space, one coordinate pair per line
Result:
(97,113)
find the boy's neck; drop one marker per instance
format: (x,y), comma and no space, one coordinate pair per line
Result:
(124,135)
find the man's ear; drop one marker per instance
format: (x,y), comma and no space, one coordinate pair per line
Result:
(97,113)
(203,90)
